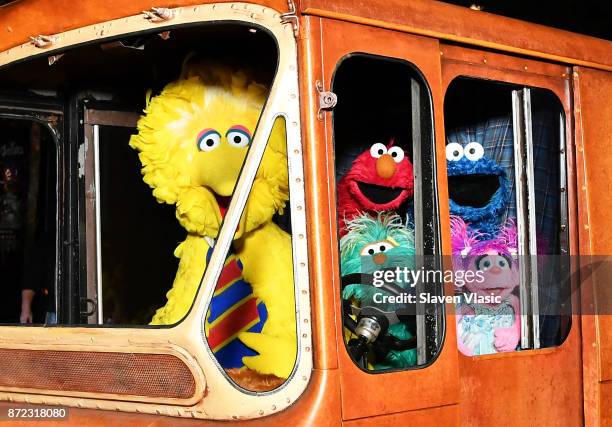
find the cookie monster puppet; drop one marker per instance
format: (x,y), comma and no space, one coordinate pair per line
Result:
(478,188)
(379,180)
(375,244)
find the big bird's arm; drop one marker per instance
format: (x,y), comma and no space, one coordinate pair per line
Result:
(268,266)
(192,255)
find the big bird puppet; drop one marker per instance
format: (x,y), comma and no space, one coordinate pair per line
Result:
(193,140)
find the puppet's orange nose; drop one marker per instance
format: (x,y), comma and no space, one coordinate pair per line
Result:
(385,166)
(380,258)
(495,270)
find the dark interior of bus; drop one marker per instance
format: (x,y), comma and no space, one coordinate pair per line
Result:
(138,235)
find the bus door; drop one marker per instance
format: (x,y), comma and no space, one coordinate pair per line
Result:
(383,91)
(107,211)
(509,139)
(593,118)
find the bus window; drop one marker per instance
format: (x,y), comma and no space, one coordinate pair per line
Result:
(129,213)
(505,168)
(387,222)
(28,214)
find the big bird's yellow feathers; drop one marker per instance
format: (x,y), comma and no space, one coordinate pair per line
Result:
(192,146)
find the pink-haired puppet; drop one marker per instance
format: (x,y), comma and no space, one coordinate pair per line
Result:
(488,317)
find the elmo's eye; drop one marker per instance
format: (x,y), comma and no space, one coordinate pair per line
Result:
(378,150)
(454,152)
(208,140)
(473,151)
(397,154)
(238,136)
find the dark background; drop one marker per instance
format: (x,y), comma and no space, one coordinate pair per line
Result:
(592,17)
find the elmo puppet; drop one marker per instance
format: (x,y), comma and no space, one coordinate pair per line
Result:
(379,180)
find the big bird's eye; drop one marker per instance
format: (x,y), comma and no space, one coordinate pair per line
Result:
(378,150)
(397,154)
(208,140)
(238,136)
(454,152)
(473,151)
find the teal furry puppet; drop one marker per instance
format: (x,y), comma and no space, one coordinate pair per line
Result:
(379,243)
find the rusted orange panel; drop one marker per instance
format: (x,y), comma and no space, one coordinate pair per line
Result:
(460,24)
(606,404)
(365,394)
(319,405)
(523,388)
(319,201)
(441,416)
(31,17)
(594,122)
(594,137)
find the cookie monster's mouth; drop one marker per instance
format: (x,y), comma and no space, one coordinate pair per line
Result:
(472,190)
(379,194)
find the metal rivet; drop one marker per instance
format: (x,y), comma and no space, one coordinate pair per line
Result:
(304,335)
(296,151)
(299,208)
(301,236)
(298,180)
(307,349)
(304,292)
(484,60)
(305,320)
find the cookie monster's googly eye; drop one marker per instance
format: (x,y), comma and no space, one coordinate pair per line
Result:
(473,151)
(454,152)
(378,150)
(208,140)
(238,136)
(397,154)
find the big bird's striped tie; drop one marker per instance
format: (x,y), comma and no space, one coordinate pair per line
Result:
(233,309)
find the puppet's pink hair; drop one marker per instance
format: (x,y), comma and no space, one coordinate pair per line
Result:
(467,243)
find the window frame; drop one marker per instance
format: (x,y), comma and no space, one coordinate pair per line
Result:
(427,350)
(185,340)
(528,74)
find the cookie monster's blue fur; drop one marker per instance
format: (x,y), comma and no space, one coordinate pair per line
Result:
(362,231)
(486,219)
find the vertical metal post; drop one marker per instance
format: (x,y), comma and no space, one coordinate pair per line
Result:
(421,329)
(96,146)
(525,206)
(518,130)
(531,221)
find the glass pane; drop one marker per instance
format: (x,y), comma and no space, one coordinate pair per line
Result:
(250,323)
(28,210)
(386,222)
(482,194)
(554,290)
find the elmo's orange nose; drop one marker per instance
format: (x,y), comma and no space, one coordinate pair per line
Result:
(379,258)
(385,166)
